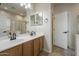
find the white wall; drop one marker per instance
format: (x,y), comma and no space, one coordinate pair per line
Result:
(46,28)
(72,24)
(72,7)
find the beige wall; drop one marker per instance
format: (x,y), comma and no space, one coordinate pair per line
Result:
(66,7)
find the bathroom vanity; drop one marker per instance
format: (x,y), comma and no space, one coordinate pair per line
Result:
(24,45)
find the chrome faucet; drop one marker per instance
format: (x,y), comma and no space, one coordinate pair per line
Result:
(12,36)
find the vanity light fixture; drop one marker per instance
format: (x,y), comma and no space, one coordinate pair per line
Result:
(22,4)
(26,5)
(40,14)
(29,5)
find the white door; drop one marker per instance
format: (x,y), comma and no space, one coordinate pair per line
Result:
(61,30)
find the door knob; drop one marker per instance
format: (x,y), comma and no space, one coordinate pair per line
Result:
(65,32)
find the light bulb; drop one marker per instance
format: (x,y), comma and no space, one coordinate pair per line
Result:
(29,5)
(26,6)
(40,14)
(22,4)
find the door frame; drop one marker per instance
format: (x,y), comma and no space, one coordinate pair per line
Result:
(53,17)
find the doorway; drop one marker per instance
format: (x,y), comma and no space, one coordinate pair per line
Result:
(64,30)
(60,30)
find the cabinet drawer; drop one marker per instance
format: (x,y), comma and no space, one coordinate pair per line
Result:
(36,47)
(15,51)
(28,49)
(41,43)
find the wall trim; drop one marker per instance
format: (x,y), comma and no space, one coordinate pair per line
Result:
(47,51)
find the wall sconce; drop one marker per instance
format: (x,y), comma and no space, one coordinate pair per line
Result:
(45,20)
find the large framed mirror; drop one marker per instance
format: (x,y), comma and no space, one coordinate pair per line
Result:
(36,19)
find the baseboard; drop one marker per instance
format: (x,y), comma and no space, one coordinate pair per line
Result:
(71,48)
(46,51)
(58,46)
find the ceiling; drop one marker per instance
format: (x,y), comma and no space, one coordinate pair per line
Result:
(14,8)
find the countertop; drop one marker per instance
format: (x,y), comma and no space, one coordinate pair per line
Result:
(6,43)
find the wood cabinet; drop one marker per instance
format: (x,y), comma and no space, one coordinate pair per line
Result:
(28,48)
(36,47)
(15,51)
(41,40)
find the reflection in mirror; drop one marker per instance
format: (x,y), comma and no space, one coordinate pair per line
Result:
(39,19)
(4,23)
(15,18)
(11,23)
(18,25)
(32,19)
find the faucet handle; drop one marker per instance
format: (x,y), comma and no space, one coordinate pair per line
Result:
(14,35)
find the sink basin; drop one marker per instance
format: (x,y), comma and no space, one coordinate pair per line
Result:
(4,38)
(22,36)
(19,38)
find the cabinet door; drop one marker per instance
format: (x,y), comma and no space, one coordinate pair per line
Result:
(15,51)
(28,48)
(36,47)
(41,43)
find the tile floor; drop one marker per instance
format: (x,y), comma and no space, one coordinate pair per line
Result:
(57,51)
